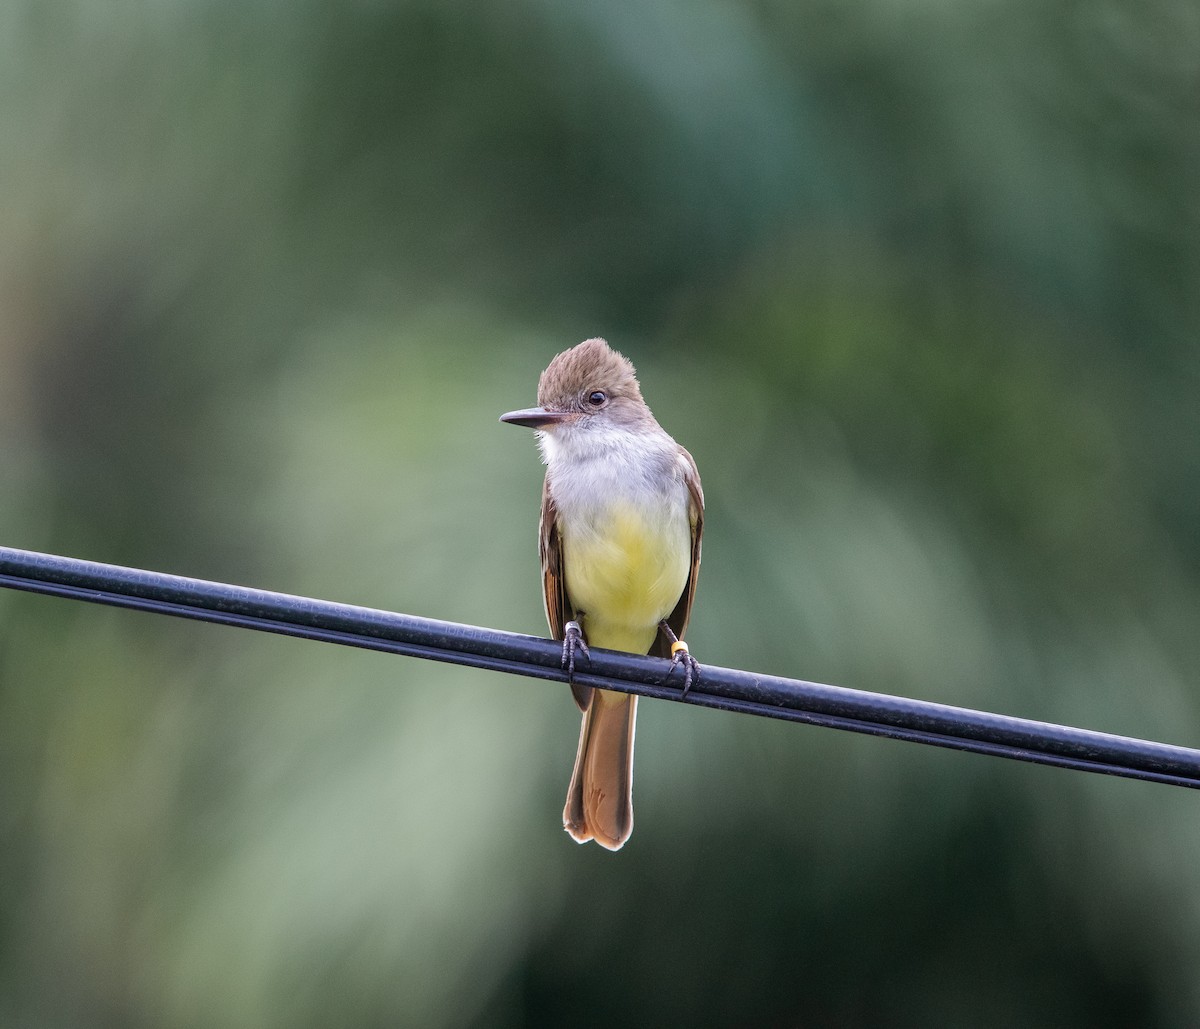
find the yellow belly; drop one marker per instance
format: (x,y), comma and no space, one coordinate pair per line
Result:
(625,571)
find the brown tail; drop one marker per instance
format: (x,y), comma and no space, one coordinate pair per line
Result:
(600,797)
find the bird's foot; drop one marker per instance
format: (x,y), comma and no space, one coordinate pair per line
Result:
(573,643)
(681,657)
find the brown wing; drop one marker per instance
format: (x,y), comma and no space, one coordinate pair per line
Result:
(558,608)
(554,584)
(678,619)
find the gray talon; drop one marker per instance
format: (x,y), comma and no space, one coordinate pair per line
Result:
(573,641)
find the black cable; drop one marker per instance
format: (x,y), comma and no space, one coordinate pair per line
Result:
(725,688)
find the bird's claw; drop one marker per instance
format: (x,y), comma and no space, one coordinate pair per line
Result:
(680,655)
(573,642)
(691,667)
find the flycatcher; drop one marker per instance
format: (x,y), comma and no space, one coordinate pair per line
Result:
(622,514)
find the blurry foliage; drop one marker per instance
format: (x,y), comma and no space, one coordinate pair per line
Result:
(915,283)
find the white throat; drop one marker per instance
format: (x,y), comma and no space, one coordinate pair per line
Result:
(592,466)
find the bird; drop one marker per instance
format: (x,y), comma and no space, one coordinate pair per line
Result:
(619,539)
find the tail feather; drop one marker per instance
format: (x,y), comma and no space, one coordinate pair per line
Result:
(600,797)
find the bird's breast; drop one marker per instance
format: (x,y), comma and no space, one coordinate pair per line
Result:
(626,565)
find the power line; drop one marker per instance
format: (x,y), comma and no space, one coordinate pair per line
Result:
(724,688)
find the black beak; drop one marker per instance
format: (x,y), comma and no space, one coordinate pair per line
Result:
(535,417)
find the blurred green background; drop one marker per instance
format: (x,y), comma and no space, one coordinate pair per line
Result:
(918,284)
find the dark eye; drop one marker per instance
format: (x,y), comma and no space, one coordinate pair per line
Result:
(597,397)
